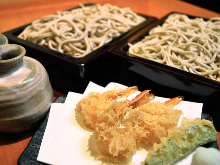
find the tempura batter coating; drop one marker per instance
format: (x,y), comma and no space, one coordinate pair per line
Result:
(122,126)
(93,105)
(181,141)
(112,134)
(154,120)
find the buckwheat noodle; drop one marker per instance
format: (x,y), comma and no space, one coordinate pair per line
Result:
(192,45)
(80,31)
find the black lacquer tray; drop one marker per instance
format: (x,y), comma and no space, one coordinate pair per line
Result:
(163,74)
(68,73)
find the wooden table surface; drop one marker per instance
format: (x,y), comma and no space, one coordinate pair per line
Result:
(15,13)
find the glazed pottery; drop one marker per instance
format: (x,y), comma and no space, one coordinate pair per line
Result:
(25,90)
(3,39)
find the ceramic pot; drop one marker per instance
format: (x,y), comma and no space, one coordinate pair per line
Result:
(3,39)
(25,90)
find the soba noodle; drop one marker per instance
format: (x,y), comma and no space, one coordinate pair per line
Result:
(81,30)
(192,45)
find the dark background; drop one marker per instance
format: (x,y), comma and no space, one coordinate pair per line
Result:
(207,4)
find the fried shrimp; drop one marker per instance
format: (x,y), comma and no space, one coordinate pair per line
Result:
(124,124)
(93,105)
(114,127)
(154,119)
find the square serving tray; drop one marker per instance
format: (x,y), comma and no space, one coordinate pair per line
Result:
(68,69)
(167,76)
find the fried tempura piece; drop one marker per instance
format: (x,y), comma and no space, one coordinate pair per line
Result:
(153,120)
(93,105)
(114,131)
(181,141)
(112,137)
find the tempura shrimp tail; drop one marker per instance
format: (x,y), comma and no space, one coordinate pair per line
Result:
(174,101)
(143,98)
(122,93)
